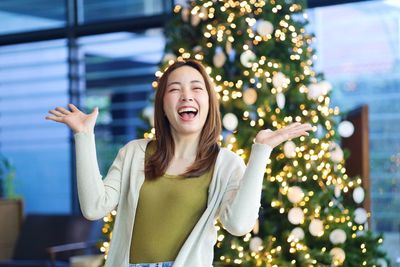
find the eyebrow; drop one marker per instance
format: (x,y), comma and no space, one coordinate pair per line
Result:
(194,81)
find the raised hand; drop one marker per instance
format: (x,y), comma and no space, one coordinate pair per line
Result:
(274,138)
(75,119)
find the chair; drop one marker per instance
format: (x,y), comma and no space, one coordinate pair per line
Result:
(50,240)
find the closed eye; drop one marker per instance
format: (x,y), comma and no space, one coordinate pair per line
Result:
(198,88)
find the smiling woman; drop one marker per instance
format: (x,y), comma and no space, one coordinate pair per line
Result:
(170,190)
(186,111)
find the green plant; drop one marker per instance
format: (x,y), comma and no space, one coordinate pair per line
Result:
(7,176)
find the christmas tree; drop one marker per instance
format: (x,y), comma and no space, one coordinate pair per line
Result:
(261,61)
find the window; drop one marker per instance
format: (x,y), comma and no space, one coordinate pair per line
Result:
(358,49)
(43,65)
(101,10)
(119,68)
(33,80)
(23,16)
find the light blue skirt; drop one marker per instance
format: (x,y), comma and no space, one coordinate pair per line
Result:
(159,264)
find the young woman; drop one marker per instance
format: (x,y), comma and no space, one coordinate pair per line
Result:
(170,190)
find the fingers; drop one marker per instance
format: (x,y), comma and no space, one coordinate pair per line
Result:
(300,133)
(298,124)
(297,129)
(292,125)
(63,110)
(305,127)
(54,118)
(59,112)
(56,113)
(73,107)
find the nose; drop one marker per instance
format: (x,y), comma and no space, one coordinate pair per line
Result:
(183,98)
(186,95)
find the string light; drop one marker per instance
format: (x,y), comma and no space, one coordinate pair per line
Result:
(312,162)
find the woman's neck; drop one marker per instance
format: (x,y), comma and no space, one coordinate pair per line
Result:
(186,146)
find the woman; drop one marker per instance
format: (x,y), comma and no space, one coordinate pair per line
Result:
(170,190)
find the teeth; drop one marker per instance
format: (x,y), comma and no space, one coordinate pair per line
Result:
(187,110)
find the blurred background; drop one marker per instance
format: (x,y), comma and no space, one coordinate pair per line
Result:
(104,53)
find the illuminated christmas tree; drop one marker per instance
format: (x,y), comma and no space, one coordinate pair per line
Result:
(261,61)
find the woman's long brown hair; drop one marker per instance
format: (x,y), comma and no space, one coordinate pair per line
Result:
(208,148)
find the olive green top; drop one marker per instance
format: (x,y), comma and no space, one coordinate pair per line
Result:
(168,209)
(234,197)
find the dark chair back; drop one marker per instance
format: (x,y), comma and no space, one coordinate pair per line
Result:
(40,231)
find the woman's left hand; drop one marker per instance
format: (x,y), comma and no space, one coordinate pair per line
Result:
(274,138)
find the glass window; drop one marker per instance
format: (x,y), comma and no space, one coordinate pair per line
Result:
(22,16)
(99,10)
(119,68)
(34,80)
(358,49)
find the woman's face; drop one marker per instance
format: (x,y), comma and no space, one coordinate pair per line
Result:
(186,101)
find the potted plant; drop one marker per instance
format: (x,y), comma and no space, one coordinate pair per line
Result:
(7,176)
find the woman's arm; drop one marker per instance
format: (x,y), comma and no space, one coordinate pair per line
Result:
(97,196)
(242,199)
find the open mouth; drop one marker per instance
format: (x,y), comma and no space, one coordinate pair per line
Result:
(188,114)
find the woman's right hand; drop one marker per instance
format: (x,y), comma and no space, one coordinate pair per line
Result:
(75,119)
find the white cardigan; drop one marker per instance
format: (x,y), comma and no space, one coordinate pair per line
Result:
(234,197)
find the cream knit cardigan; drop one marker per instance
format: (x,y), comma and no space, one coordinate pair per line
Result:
(234,197)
